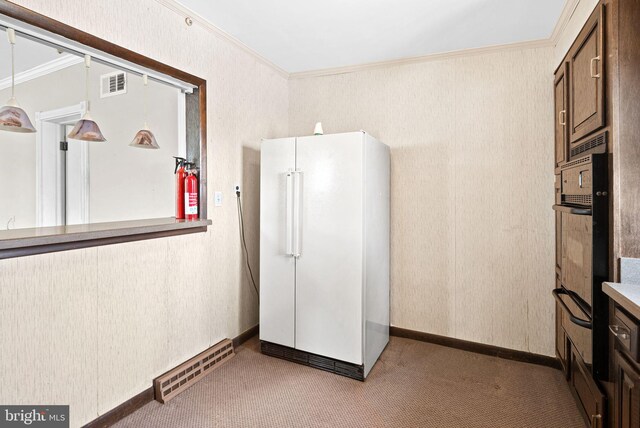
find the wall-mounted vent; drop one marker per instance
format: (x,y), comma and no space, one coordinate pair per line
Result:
(577,199)
(579,161)
(188,373)
(597,144)
(113,84)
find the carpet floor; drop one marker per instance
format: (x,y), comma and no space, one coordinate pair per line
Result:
(413,384)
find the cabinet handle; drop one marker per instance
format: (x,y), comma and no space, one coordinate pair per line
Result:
(619,332)
(562,117)
(595,420)
(595,74)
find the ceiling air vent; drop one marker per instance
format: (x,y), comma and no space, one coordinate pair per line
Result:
(113,84)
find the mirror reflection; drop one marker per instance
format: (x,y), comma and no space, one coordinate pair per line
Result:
(93,143)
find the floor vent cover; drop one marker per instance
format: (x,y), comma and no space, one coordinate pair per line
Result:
(188,373)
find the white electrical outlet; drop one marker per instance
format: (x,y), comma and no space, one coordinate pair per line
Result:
(217,199)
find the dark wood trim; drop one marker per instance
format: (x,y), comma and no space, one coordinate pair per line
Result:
(148,395)
(246,335)
(478,348)
(202,91)
(51,244)
(48,24)
(123,410)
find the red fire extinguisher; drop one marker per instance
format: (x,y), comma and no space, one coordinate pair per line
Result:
(191,193)
(181,174)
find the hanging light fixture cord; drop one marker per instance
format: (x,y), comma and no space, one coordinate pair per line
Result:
(145,101)
(13,71)
(86,86)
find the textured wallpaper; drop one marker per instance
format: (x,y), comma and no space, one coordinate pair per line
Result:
(472,230)
(472,251)
(92,328)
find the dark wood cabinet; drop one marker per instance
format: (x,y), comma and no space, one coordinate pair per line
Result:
(586,390)
(627,393)
(598,78)
(561,99)
(586,79)
(558,214)
(625,330)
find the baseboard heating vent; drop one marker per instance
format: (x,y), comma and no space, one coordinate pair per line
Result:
(188,373)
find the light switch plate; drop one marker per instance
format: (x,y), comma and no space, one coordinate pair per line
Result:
(217,199)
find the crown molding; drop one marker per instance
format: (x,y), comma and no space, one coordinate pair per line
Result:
(57,64)
(567,12)
(203,22)
(534,44)
(569,9)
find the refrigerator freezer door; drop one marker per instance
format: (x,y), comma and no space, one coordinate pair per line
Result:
(329,290)
(277,264)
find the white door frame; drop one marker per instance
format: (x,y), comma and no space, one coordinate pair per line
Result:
(182,124)
(50,202)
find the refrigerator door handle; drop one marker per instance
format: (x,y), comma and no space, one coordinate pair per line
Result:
(289,214)
(297,215)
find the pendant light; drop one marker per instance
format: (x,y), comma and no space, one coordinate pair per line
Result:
(12,117)
(145,139)
(86,129)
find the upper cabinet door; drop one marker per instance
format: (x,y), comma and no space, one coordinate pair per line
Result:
(586,62)
(561,104)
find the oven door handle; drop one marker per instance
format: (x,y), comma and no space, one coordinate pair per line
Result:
(579,321)
(572,210)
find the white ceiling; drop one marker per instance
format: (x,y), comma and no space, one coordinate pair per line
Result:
(307,35)
(28,54)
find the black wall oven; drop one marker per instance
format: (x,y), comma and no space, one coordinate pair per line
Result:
(584,228)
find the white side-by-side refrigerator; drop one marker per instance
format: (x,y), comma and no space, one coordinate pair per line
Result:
(324,251)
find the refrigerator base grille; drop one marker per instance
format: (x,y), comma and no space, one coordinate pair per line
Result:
(353,371)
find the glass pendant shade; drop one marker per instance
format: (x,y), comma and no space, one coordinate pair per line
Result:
(12,117)
(86,130)
(145,139)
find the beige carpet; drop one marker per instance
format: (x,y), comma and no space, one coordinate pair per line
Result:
(414,384)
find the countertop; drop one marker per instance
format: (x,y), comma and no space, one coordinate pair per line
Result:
(38,240)
(626,295)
